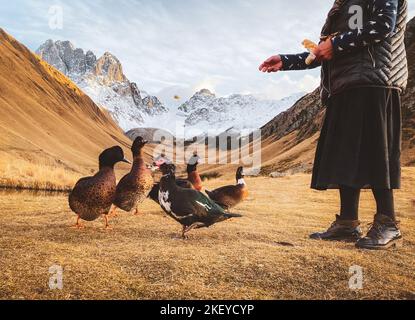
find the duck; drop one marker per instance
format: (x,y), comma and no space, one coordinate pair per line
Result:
(134,187)
(92,197)
(193,176)
(193,180)
(154,193)
(191,208)
(230,196)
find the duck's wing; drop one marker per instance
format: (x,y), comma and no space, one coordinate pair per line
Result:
(84,182)
(210,212)
(183,183)
(226,190)
(154,193)
(80,192)
(194,202)
(189,206)
(227,197)
(127,184)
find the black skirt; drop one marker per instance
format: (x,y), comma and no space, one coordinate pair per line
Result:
(360,142)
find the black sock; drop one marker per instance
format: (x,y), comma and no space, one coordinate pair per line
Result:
(385,202)
(349,198)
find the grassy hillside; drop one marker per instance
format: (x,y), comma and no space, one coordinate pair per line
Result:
(51,133)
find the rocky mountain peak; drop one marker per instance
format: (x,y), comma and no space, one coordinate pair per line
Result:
(64,56)
(73,61)
(205,92)
(153,105)
(110,68)
(90,60)
(103,80)
(200,98)
(51,53)
(235,111)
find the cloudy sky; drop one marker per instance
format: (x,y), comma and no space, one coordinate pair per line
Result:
(174,47)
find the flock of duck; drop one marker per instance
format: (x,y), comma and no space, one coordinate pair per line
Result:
(181,199)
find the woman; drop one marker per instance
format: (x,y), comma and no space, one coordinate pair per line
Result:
(364,71)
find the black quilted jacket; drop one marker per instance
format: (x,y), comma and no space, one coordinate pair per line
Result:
(382,64)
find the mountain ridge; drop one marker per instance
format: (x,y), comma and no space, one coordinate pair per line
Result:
(243,113)
(47,123)
(104,81)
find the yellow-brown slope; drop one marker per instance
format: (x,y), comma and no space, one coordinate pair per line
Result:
(51,132)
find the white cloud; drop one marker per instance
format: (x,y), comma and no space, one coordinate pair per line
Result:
(284,85)
(184,45)
(309,83)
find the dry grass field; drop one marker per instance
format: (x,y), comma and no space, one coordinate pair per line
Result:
(265,255)
(40,175)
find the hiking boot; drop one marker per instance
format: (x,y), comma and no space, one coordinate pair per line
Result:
(341,230)
(383,234)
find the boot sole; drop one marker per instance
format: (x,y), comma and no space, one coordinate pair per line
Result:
(343,238)
(397,243)
(339,239)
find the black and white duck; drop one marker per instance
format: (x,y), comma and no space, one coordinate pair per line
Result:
(189,207)
(154,193)
(193,180)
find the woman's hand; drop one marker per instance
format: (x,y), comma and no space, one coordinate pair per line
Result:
(273,64)
(324,50)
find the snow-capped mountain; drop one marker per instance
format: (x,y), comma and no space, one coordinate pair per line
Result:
(104,82)
(206,113)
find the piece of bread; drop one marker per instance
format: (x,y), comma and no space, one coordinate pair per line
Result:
(310,46)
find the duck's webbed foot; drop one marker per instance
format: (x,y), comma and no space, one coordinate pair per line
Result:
(196,225)
(113,212)
(138,212)
(107,226)
(184,231)
(78,224)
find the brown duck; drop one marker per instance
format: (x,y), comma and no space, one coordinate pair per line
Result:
(230,196)
(134,188)
(92,197)
(193,176)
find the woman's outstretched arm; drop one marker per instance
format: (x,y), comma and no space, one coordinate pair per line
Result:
(297,62)
(287,62)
